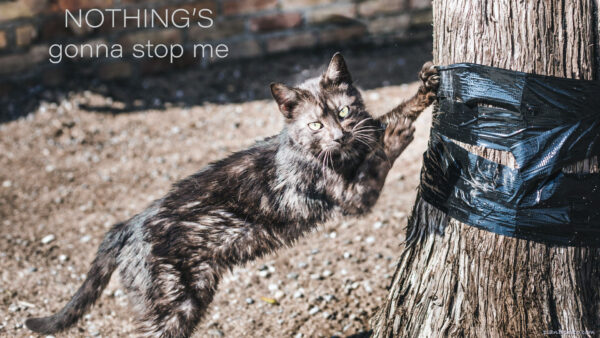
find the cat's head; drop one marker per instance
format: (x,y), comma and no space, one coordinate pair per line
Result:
(326,115)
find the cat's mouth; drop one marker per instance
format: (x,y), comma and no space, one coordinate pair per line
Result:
(336,153)
(346,150)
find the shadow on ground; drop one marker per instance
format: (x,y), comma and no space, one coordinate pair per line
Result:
(225,82)
(364,334)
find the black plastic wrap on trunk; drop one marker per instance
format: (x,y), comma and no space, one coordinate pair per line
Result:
(546,123)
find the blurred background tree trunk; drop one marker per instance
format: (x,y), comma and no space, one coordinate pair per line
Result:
(453,279)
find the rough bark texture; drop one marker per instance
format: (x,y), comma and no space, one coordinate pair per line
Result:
(456,280)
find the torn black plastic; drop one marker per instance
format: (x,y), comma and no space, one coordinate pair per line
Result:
(546,123)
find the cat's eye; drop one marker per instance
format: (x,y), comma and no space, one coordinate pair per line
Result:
(344,112)
(315,125)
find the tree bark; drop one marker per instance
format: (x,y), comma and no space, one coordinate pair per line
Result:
(456,280)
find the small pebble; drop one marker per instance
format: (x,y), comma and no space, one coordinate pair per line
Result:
(273,287)
(279,295)
(292,275)
(13,308)
(302,265)
(7,184)
(85,239)
(264,273)
(328,298)
(299,293)
(377,225)
(327,273)
(400,214)
(249,301)
(347,255)
(370,240)
(316,276)
(47,239)
(314,310)
(215,333)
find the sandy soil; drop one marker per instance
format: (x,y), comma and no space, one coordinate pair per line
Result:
(69,173)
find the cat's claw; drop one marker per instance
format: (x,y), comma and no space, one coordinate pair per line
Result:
(429,76)
(431,80)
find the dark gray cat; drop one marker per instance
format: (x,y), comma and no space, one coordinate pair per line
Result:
(331,158)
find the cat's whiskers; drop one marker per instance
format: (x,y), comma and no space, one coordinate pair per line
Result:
(366,137)
(366,134)
(365,128)
(361,122)
(322,153)
(369,130)
(326,153)
(330,159)
(365,143)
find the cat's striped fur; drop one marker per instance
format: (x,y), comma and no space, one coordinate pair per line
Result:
(171,256)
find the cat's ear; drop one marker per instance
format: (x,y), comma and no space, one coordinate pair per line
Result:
(287,98)
(337,71)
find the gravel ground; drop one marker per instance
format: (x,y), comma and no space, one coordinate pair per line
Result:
(69,172)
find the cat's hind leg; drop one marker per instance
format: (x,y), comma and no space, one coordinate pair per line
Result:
(179,321)
(172,308)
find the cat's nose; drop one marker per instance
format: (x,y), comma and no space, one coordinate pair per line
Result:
(340,137)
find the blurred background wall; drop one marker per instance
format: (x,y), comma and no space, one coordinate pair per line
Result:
(250,28)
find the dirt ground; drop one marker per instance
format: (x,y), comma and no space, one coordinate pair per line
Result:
(68,172)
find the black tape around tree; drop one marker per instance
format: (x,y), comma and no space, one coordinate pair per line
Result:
(546,123)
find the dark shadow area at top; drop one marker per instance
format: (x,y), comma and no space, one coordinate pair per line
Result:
(223,82)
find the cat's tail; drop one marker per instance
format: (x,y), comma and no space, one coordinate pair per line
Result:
(97,278)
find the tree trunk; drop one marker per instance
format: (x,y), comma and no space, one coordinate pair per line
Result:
(453,279)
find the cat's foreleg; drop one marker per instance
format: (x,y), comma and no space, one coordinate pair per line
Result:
(363,191)
(411,108)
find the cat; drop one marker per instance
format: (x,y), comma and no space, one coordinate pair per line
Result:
(331,158)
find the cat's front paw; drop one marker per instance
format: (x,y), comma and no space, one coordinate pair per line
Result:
(431,80)
(430,77)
